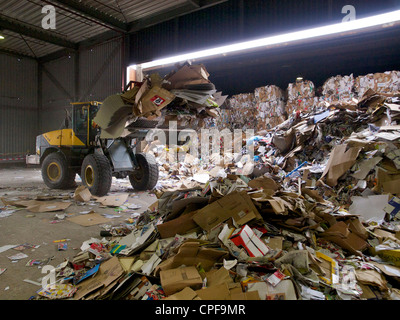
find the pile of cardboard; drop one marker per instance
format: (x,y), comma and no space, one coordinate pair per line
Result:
(185,95)
(317,217)
(321,223)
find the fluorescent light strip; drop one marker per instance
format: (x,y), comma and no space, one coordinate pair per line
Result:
(378,20)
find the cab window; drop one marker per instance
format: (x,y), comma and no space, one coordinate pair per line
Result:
(80,115)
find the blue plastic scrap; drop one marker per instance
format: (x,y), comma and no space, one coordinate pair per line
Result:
(296,169)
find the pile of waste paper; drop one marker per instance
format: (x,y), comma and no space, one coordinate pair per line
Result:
(312,214)
(319,221)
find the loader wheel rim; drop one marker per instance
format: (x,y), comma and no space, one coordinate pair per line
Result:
(89,176)
(54,171)
(138,174)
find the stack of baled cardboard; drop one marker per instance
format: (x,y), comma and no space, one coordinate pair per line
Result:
(270,104)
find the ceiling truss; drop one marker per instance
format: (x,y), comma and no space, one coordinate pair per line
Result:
(81,10)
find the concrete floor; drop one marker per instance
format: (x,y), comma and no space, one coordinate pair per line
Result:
(24,226)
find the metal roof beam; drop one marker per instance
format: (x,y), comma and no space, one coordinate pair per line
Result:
(195,3)
(182,9)
(34,32)
(15,53)
(91,12)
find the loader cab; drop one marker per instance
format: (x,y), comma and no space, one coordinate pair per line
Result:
(82,116)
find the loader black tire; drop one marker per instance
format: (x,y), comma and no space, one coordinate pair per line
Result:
(55,172)
(146,176)
(96,174)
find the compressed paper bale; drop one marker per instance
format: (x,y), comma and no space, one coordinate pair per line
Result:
(269,93)
(301,90)
(272,108)
(387,82)
(243,111)
(301,104)
(339,88)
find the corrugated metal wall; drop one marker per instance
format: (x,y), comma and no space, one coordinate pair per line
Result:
(33,97)
(153,42)
(100,70)
(57,89)
(18,105)
(95,75)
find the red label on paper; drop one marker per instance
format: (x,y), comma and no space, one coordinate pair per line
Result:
(158,101)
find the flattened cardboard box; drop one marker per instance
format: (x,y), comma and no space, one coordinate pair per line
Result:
(251,295)
(218,292)
(185,294)
(191,253)
(113,200)
(388,183)
(340,161)
(180,225)
(188,74)
(284,290)
(38,206)
(87,220)
(340,234)
(148,99)
(236,205)
(109,271)
(174,280)
(223,291)
(155,99)
(107,109)
(218,276)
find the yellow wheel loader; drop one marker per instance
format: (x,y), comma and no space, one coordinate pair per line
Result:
(78,149)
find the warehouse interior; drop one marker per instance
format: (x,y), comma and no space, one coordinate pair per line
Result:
(305,208)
